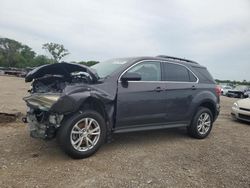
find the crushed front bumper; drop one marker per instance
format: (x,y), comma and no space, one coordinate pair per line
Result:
(41,123)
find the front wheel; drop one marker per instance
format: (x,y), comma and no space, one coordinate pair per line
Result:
(82,134)
(201,124)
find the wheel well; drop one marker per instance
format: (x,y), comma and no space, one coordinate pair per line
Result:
(96,105)
(210,106)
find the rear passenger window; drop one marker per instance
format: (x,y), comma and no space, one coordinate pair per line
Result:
(178,73)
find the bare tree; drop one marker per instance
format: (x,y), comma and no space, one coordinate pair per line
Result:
(56,50)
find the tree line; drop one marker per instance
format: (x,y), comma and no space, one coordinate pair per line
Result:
(233,83)
(18,55)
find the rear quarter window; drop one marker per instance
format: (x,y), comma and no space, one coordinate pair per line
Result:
(203,75)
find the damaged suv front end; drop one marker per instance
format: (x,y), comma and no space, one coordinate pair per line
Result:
(50,100)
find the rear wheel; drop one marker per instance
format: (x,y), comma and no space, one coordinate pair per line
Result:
(201,124)
(81,135)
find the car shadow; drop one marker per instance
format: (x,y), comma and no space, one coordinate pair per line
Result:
(121,140)
(145,137)
(243,122)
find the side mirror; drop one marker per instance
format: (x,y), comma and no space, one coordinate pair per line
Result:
(130,76)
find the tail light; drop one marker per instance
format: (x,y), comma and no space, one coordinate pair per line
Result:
(218,90)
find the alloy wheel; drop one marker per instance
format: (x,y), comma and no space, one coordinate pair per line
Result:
(204,123)
(85,134)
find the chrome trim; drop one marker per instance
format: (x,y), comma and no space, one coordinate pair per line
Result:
(162,81)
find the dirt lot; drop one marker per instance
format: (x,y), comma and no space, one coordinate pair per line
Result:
(165,158)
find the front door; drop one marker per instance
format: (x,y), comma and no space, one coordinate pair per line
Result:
(142,103)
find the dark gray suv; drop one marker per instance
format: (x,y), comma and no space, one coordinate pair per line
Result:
(84,106)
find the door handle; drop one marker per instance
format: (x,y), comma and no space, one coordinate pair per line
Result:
(158,89)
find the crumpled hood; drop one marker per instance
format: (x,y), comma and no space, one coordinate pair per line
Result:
(64,69)
(244,103)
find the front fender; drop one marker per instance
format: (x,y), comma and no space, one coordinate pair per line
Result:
(71,101)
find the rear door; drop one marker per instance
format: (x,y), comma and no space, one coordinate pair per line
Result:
(142,103)
(180,91)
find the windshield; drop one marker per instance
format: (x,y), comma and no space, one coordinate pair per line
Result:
(241,88)
(227,87)
(105,68)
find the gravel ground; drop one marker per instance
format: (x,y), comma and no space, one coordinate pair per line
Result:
(165,158)
(13,89)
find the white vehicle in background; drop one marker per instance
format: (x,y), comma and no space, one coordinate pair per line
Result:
(241,110)
(247,93)
(225,89)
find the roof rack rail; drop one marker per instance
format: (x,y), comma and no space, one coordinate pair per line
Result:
(176,58)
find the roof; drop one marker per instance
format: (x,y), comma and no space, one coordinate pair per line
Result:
(177,59)
(166,58)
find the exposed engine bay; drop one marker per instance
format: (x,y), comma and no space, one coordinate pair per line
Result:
(48,85)
(57,83)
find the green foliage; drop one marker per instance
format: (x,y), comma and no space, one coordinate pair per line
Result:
(57,51)
(16,54)
(88,63)
(41,60)
(234,82)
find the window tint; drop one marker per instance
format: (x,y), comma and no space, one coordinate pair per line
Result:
(149,71)
(203,75)
(178,73)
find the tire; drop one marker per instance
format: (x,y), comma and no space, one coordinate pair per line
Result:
(198,130)
(89,137)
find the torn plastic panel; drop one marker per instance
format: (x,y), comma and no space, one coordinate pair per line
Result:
(59,90)
(63,68)
(42,102)
(74,99)
(67,104)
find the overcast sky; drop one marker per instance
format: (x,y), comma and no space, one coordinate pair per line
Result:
(216,33)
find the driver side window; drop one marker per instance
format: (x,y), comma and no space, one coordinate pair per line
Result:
(149,71)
